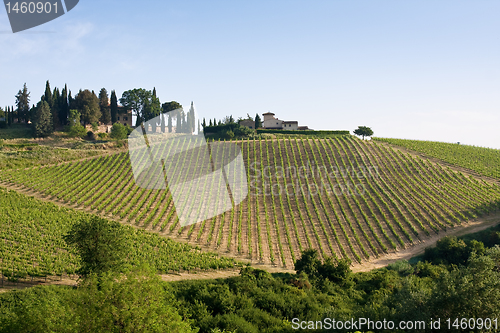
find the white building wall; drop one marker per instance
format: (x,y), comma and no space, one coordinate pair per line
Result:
(290,126)
(272,123)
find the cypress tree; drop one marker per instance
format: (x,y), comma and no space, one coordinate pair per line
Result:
(43,126)
(104,106)
(48,94)
(54,109)
(9,116)
(258,122)
(64,106)
(23,104)
(113,106)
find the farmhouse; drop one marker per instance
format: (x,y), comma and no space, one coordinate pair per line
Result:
(270,122)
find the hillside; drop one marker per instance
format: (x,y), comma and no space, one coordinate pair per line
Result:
(358,199)
(31,242)
(485,161)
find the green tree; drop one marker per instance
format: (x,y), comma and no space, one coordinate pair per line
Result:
(363,131)
(23,104)
(258,121)
(43,120)
(71,102)
(309,263)
(101,244)
(119,131)
(75,127)
(88,105)
(113,107)
(152,108)
(136,100)
(47,97)
(54,109)
(104,106)
(133,302)
(64,106)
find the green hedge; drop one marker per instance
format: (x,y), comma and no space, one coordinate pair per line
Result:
(304,132)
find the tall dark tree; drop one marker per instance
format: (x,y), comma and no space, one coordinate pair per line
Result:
(47,97)
(258,121)
(23,104)
(204,123)
(43,126)
(71,102)
(64,106)
(113,107)
(88,105)
(9,116)
(152,108)
(56,100)
(210,123)
(104,106)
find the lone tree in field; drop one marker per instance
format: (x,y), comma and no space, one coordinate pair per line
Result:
(103,245)
(363,131)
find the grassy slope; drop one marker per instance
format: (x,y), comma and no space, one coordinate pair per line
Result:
(483,160)
(31,241)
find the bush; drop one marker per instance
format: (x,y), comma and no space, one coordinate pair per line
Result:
(101,135)
(3,124)
(76,131)
(118,131)
(95,127)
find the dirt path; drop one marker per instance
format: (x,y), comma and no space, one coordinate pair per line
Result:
(419,248)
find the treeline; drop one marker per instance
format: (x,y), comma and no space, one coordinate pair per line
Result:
(52,111)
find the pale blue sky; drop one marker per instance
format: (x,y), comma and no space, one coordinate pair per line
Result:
(425,70)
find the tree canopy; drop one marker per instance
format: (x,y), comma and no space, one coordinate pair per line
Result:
(363,131)
(43,120)
(102,245)
(87,104)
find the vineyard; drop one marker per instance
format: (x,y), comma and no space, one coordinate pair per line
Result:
(31,242)
(485,161)
(343,196)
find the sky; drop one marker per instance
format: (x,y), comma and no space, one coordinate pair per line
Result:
(426,70)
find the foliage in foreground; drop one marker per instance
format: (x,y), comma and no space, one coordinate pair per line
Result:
(133,302)
(257,301)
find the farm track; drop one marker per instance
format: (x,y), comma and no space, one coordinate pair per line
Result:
(407,200)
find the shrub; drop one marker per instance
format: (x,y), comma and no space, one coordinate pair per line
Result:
(3,124)
(118,131)
(101,135)
(76,131)
(95,127)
